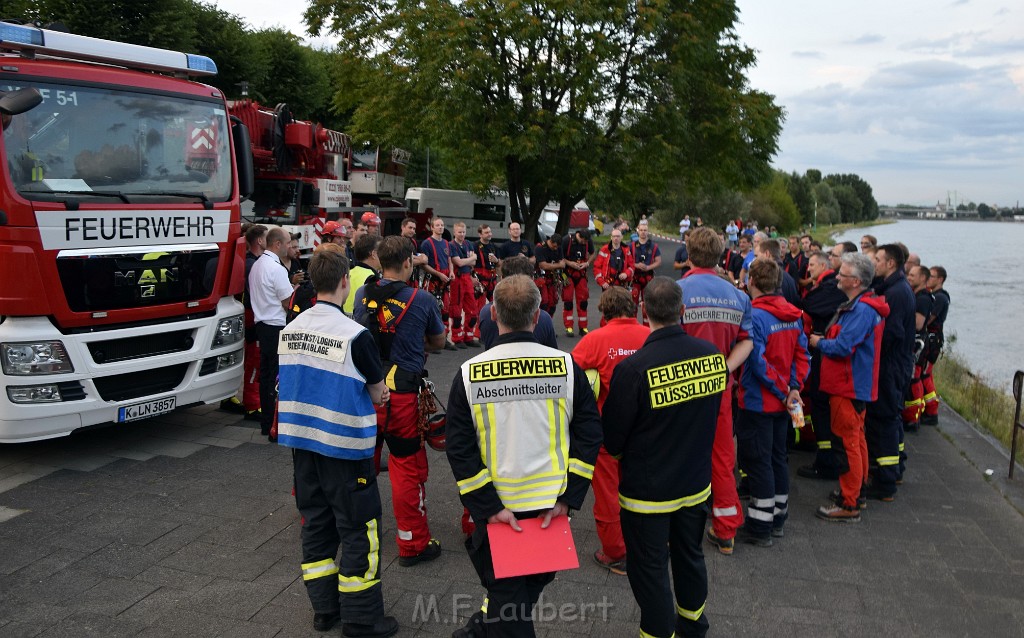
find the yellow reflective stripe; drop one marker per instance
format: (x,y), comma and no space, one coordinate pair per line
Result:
(824,445)
(355,583)
(644,634)
(585,470)
(888,460)
(493,442)
(319,569)
(691,615)
(808,419)
(930,396)
(367,580)
(474,483)
(902,447)
(664,507)
(483,605)
(552,435)
(481,432)
(908,404)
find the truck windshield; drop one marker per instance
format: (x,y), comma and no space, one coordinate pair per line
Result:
(138,146)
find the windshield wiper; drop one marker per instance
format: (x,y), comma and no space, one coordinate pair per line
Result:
(200,196)
(119,195)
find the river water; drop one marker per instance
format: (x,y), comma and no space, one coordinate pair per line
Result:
(986,290)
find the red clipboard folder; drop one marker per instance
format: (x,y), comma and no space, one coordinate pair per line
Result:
(533,550)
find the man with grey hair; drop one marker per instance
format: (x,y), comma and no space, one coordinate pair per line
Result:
(849,375)
(523,435)
(756,238)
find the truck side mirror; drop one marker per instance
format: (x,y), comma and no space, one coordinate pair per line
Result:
(243,158)
(20,101)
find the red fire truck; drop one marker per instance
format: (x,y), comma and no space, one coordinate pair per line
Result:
(119,234)
(307,174)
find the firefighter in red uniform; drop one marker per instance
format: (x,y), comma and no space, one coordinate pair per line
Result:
(550,270)
(486,264)
(438,268)
(579,253)
(602,350)
(405,322)
(933,347)
(913,403)
(614,264)
(717,312)
(463,286)
(646,260)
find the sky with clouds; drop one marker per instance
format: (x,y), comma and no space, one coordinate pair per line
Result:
(924,99)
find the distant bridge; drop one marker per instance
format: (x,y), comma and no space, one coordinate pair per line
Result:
(931,212)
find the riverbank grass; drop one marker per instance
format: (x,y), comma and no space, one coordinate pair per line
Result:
(827,234)
(990,408)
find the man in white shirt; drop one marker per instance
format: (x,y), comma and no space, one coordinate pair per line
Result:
(269,292)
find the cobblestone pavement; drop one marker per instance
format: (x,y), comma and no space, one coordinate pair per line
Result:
(184,525)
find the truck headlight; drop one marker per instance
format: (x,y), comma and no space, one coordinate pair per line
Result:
(29,358)
(34,394)
(230,330)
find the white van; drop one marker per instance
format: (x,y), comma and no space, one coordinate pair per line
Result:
(453,206)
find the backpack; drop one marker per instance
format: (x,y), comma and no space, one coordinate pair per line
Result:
(376,320)
(302,299)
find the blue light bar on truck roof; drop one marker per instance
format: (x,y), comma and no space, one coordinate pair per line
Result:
(80,47)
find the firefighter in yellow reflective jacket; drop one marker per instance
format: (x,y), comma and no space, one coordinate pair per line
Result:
(661,426)
(523,434)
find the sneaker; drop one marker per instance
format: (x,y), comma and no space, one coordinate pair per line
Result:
(838,513)
(837,498)
(472,343)
(326,622)
(744,535)
(232,405)
(429,553)
(448,345)
(386,626)
(569,332)
(724,545)
(461,345)
(929,419)
(584,332)
(778,532)
(253,415)
(812,472)
(474,627)
(614,566)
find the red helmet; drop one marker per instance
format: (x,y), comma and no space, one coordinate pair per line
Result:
(436,431)
(370,219)
(334,228)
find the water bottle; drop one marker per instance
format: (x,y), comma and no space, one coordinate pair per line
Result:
(796,412)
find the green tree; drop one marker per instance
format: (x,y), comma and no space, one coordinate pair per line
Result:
(166,24)
(868,208)
(228,42)
(771,205)
(850,206)
(828,206)
(985,211)
(799,189)
(813,175)
(552,100)
(291,73)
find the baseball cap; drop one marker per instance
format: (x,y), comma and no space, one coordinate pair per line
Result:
(334,228)
(370,219)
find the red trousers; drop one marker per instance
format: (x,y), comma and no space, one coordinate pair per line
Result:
(913,405)
(579,289)
(726,513)
(848,427)
(251,366)
(606,505)
(931,399)
(408,474)
(639,284)
(548,294)
(488,279)
(463,301)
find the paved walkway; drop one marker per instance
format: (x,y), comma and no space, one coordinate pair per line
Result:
(184,526)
